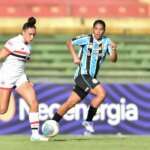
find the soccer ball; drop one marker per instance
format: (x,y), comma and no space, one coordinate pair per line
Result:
(50,128)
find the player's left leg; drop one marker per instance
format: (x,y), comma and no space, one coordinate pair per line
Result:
(26,90)
(100,94)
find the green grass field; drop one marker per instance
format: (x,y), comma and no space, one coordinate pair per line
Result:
(67,142)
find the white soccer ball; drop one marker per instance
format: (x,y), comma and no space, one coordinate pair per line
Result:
(50,128)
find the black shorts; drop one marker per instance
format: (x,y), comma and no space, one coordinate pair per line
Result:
(83,84)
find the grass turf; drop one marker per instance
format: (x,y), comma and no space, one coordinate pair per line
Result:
(67,142)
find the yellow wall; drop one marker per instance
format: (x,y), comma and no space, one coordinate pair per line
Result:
(73,25)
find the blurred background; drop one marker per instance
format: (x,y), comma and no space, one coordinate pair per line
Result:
(128,24)
(126,108)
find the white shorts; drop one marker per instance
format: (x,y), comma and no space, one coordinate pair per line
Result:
(8,81)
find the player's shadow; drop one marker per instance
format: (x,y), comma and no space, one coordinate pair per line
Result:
(85,138)
(77,139)
(66,140)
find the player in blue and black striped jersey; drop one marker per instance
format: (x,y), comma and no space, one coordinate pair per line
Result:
(93,50)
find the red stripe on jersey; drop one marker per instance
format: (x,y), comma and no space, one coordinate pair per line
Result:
(21,52)
(35,122)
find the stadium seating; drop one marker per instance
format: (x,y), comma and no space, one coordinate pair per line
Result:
(75,8)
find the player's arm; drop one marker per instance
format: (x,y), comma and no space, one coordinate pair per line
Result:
(72,50)
(78,41)
(7,50)
(113,54)
(4,53)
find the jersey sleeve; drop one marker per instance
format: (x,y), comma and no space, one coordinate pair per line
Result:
(80,40)
(9,45)
(109,48)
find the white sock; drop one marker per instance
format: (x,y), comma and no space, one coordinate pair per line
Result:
(34,123)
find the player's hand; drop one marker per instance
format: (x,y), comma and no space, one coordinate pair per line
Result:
(76,60)
(113,46)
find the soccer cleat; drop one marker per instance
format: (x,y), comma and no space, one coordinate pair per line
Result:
(39,137)
(87,133)
(88,126)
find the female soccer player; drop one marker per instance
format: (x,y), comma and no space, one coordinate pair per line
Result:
(16,52)
(93,50)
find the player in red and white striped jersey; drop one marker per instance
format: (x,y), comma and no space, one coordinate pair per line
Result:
(16,52)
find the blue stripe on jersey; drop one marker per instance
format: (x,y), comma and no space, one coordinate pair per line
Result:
(77,72)
(81,40)
(78,68)
(94,59)
(84,60)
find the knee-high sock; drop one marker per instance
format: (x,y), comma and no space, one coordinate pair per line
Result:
(91,113)
(34,122)
(57,117)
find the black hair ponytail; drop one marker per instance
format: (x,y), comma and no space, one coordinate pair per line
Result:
(30,23)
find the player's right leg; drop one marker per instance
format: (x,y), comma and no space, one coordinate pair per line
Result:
(72,100)
(76,96)
(4,99)
(99,94)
